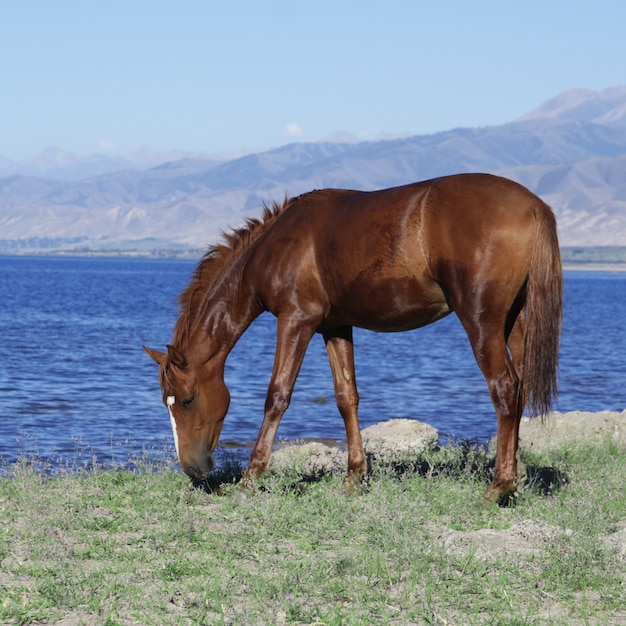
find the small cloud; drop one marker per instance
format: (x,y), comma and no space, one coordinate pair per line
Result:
(106,145)
(293,130)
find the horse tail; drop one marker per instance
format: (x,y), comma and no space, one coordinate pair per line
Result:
(544,315)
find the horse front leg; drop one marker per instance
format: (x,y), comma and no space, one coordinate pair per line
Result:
(340,350)
(293,337)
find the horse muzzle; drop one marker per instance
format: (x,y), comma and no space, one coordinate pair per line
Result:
(200,468)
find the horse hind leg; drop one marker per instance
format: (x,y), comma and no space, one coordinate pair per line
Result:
(504,386)
(515,343)
(501,366)
(341,356)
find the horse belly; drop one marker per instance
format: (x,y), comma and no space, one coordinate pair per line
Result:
(389,305)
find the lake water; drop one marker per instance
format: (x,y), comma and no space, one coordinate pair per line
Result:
(76,384)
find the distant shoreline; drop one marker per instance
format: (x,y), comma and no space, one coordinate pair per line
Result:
(594,267)
(197,255)
(588,258)
(611,259)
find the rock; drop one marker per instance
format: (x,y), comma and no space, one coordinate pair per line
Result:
(575,428)
(310,458)
(398,439)
(390,441)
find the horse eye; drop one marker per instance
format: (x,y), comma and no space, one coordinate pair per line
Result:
(187,403)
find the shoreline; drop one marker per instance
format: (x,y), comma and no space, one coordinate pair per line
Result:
(568,266)
(615,268)
(559,427)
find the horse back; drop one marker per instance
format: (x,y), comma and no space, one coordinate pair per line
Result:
(383,259)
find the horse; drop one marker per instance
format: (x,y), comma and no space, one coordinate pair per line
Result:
(478,245)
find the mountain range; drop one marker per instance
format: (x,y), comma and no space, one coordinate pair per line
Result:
(570,150)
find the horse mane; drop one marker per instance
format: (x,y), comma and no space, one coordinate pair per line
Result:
(217,258)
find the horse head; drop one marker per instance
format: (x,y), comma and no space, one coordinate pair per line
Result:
(197,400)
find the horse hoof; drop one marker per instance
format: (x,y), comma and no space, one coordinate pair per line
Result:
(498,496)
(351,488)
(489,499)
(245,489)
(242,493)
(353,484)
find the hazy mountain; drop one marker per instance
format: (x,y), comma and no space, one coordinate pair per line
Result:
(54,163)
(601,107)
(570,150)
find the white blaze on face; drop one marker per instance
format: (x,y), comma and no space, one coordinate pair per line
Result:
(170,403)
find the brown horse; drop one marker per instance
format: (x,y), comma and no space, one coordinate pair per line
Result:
(391,260)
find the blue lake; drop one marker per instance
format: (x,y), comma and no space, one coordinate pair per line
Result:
(75,382)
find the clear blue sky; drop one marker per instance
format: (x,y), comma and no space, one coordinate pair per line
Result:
(111,76)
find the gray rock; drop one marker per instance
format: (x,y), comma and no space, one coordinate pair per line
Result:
(390,441)
(573,428)
(312,458)
(398,439)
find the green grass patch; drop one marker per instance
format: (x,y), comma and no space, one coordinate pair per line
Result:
(416,546)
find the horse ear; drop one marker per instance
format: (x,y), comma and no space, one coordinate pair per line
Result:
(176,357)
(159,357)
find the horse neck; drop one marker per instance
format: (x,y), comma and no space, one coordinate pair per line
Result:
(227,310)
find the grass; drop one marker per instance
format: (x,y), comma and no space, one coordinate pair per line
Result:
(417,546)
